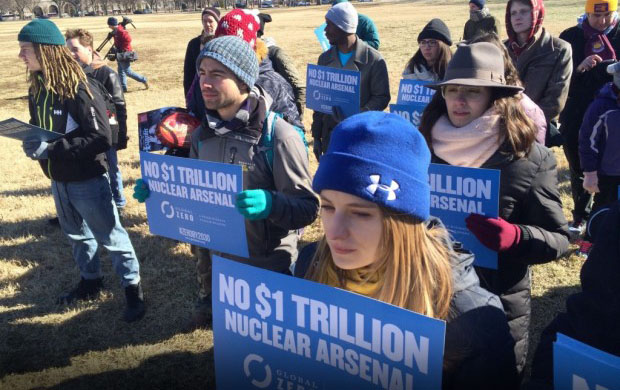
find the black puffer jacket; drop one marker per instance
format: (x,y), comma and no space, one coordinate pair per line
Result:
(593,315)
(478,351)
(529,197)
(112,83)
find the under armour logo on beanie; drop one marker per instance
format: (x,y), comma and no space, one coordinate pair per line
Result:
(382,191)
(241,23)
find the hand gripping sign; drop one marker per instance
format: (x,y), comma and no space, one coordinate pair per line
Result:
(273,331)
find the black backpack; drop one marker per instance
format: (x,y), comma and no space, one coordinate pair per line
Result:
(109,105)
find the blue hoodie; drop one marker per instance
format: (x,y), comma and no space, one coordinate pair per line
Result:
(599,135)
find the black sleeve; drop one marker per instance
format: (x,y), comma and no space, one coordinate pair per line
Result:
(113,86)
(93,134)
(189,66)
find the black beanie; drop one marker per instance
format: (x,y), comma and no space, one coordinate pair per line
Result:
(263,18)
(436,29)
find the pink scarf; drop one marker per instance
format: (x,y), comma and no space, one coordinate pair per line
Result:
(468,146)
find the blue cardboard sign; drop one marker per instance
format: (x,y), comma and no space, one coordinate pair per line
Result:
(457,192)
(320,35)
(273,331)
(414,92)
(411,113)
(194,201)
(578,366)
(327,87)
(16,129)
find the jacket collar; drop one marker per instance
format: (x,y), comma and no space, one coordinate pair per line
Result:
(542,46)
(360,56)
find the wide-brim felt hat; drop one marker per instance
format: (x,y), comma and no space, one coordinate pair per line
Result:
(479,64)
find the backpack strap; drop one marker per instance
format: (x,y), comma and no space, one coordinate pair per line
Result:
(266,141)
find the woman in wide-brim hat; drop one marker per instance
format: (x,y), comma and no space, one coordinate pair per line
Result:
(476,120)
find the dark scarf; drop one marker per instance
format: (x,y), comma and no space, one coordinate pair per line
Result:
(538,15)
(247,122)
(479,14)
(597,42)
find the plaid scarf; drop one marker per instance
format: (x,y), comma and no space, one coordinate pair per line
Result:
(538,15)
(248,121)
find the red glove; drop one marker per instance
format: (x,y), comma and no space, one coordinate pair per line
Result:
(494,233)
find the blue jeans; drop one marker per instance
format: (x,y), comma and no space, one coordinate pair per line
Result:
(88,217)
(124,70)
(116,180)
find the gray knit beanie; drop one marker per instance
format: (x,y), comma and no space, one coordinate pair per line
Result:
(344,16)
(235,54)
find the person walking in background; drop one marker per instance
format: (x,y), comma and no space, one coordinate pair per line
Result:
(595,42)
(480,21)
(543,61)
(283,65)
(476,120)
(429,63)
(210,17)
(352,53)
(385,245)
(277,199)
(124,54)
(61,99)
(366,29)
(80,43)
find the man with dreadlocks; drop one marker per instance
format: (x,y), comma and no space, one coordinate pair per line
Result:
(61,100)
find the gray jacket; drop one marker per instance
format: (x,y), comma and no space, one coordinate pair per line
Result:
(272,242)
(374,85)
(545,69)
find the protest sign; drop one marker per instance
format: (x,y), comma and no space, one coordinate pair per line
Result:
(194,201)
(456,192)
(411,113)
(578,366)
(165,127)
(328,87)
(320,35)
(273,331)
(16,129)
(414,92)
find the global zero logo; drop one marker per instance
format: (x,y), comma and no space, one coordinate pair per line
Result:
(167,209)
(246,369)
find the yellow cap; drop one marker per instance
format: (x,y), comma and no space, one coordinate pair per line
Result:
(593,6)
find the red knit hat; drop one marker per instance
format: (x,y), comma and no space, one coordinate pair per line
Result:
(241,23)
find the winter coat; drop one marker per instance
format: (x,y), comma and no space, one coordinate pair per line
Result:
(599,136)
(272,242)
(583,86)
(545,69)
(112,83)
(284,66)
(189,65)
(537,116)
(80,154)
(374,85)
(272,83)
(478,351)
(472,29)
(367,31)
(122,39)
(529,198)
(420,72)
(592,315)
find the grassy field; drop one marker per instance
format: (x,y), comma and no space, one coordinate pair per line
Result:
(87,345)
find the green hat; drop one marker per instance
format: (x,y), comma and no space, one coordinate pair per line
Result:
(42,31)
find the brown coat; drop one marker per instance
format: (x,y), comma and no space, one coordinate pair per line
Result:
(374,85)
(545,69)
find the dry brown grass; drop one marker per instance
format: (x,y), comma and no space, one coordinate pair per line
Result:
(87,345)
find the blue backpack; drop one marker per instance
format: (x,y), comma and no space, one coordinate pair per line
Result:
(266,141)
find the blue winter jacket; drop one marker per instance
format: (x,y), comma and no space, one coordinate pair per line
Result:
(599,135)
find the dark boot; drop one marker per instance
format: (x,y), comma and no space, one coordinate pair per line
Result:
(135,303)
(86,290)
(202,317)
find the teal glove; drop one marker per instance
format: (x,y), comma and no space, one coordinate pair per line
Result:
(141,190)
(254,204)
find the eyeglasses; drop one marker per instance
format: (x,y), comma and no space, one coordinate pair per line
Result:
(453,92)
(428,42)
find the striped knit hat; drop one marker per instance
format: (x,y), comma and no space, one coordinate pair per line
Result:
(235,54)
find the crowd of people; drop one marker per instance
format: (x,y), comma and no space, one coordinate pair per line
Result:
(499,105)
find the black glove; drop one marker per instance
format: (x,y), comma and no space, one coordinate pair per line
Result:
(121,143)
(337,114)
(317,148)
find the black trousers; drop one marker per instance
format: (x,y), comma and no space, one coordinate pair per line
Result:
(581,198)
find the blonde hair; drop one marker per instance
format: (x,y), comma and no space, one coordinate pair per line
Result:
(414,266)
(61,74)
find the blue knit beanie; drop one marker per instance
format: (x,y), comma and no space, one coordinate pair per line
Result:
(112,21)
(379,157)
(235,54)
(42,31)
(479,3)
